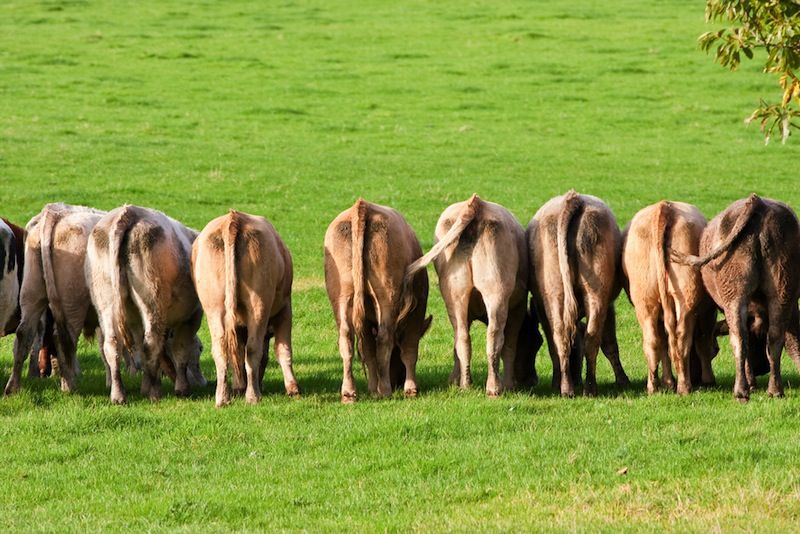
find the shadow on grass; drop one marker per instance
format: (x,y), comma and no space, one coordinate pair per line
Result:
(324,382)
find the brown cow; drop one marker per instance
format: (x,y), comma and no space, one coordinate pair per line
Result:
(55,248)
(243,275)
(574,246)
(139,274)
(750,255)
(482,263)
(670,299)
(367,250)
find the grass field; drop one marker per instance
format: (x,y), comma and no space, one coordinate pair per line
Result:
(292,110)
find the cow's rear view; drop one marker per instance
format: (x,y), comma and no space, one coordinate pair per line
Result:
(482,263)
(574,245)
(138,271)
(243,274)
(367,251)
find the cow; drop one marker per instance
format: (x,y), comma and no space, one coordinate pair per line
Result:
(368,249)
(55,247)
(11,264)
(13,254)
(676,314)
(748,258)
(243,275)
(574,246)
(139,275)
(482,263)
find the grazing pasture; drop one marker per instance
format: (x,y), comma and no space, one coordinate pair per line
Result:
(292,110)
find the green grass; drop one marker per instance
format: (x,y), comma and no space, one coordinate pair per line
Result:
(293,110)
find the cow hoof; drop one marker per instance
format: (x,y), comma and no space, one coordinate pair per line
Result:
(683,390)
(119,401)
(623,382)
(776,393)
(293,390)
(348,398)
(590,390)
(252,399)
(411,393)
(11,389)
(568,394)
(182,393)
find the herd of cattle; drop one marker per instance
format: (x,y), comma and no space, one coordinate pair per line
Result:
(140,281)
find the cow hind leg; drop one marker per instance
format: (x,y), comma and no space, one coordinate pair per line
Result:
(182,343)
(409,353)
(511,332)
(222,394)
(256,333)
(283,350)
(595,321)
(383,355)
(455,375)
(653,345)
(683,346)
(463,347)
(776,333)
(111,352)
(348,391)
(153,347)
(67,344)
(736,316)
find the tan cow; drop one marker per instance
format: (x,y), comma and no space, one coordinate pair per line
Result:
(139,274)
(482,263)
(574,246)
(670,300)
(750,253)
(55,248)
(367,250)
(243,275)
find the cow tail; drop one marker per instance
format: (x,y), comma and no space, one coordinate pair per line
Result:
(230,340)
(467,214)
(117,271)
(572,206)
(750,207)
(47,228)
(662,227)
(358,225)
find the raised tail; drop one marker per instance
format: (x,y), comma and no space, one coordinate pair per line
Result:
(117,273)
(662,226)
(231,342)
(358,225)
(750,207)
(573,204)
(467,214)
(47,227)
